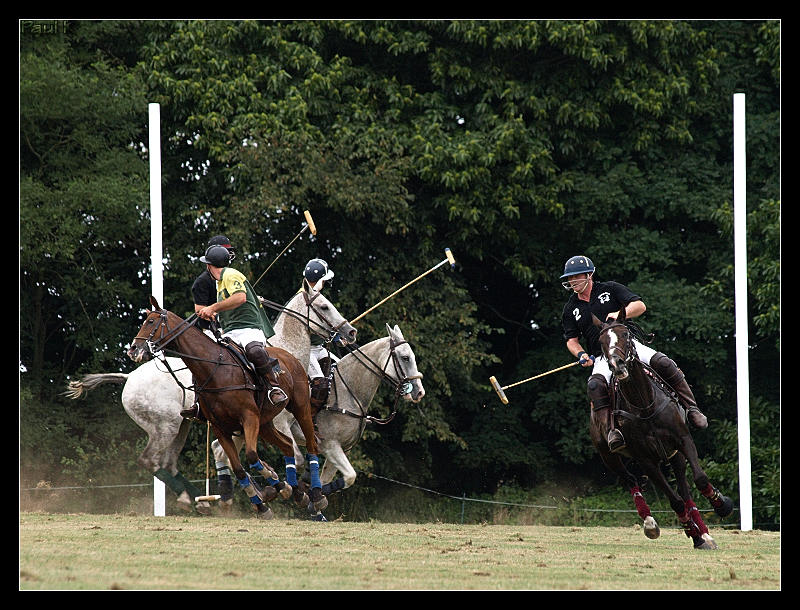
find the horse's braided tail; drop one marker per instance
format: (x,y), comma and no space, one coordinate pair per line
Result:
(91,381)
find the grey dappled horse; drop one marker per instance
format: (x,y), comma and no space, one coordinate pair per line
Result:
(153,398)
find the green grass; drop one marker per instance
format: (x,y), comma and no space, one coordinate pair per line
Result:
(128,551)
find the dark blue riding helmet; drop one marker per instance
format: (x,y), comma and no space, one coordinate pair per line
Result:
(218,256)
(317,269)
(578,264)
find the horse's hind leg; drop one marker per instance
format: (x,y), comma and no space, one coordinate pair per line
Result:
(723,505)
(692,519)
(301,409)
(270,434)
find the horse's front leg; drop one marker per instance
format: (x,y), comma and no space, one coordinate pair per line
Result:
(250,427)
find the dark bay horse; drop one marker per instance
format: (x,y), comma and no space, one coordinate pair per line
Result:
(232,400)
(654,426)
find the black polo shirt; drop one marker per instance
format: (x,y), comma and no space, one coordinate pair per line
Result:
(606,297)
(204,292)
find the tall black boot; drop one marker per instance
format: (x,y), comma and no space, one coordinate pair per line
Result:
(269,368)
(597,389)
(669,372)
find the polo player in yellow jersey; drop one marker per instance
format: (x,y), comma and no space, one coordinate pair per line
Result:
(242,317)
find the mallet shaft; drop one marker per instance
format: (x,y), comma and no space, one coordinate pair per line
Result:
(310,225)
(449,259)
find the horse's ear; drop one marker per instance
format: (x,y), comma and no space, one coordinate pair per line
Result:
(154,303)
(621,316)
(398,331)
(596,321)
(306,285)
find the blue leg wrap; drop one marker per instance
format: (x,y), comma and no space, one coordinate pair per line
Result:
(249,489)
(291,471)
(313,466)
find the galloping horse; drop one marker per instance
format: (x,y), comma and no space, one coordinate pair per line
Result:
(357,377)
(156,392)
(655,430)
(231,398)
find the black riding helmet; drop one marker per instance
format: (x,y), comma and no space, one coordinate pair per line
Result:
(221,240)
(218,256)
(576,265)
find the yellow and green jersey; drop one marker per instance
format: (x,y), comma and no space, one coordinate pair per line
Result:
(251,313)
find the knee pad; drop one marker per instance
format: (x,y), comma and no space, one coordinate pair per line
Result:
(256,353)
(597,386)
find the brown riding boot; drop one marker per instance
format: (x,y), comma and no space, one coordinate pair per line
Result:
(669,372)
(597,389)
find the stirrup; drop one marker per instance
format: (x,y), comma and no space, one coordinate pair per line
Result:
(616,441)
(282,393)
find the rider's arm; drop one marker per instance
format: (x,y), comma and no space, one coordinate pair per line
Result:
(232,302)
(575,348)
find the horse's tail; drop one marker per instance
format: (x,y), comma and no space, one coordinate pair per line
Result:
(91,381)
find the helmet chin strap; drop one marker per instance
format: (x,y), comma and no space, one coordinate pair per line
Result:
(583,284)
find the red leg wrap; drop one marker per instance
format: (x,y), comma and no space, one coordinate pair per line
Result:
(641,505)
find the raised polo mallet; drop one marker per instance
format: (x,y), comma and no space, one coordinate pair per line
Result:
(449,259)
(502,394)
(309,225)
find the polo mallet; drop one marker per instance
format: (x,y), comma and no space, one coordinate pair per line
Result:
(309,225)
(449,259)
(502,394)
(208,496)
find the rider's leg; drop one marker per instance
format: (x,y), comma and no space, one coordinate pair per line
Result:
(669,372)
(597,389)
(267,367)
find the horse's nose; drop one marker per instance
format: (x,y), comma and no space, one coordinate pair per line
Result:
(352,334)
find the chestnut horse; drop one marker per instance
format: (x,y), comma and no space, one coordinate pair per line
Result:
(233,400)
(654,426)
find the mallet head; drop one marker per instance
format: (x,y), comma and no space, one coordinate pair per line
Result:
(310,222)
(498,389)
(450,258)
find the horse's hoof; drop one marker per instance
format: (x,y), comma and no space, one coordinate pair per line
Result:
(265,512)
(724,509)
(286,491)
(204,508)
(269,493)
(651,529)
(300,497)
(319,517)
(705,543)
(318,501)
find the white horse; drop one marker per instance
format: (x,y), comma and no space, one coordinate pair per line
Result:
(358,376)
(154,399)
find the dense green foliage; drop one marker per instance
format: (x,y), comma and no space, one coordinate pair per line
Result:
(517,144)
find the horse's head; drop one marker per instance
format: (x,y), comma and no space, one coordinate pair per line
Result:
(324,319)
(617,344)
(404,368)
(153,328)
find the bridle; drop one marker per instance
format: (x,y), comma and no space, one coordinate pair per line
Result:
(401,382)
(627,354)
(165,337)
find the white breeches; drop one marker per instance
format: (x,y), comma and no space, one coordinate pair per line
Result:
(601,364)
(317,353)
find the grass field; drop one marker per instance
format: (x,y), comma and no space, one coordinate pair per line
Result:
(134,552)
